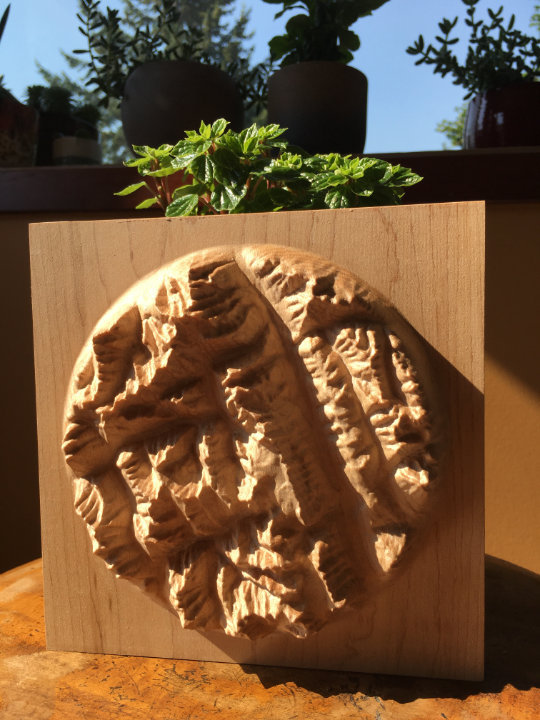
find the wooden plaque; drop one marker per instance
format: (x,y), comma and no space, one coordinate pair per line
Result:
(429,262)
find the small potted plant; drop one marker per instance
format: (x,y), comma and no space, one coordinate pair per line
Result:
(315,94)
(18,123)
(499,72)
(216,171)
(68,132)
(161,75)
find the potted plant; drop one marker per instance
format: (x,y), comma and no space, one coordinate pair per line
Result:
(161,74)
(315,93)
(18,123)
(68,132)
(216,171)
(499,73)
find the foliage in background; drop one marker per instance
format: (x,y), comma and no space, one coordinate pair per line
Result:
(114,48)
(225,37)
(3,21)
(535,20)
(497,55)
(113,144)
(453,129)
(58,99)
(322,32)
(215,171)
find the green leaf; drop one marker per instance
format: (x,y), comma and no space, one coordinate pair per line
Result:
(337,199)
(299,24)
(184,205)
(279,46)
(227,198)
(202,168)
(194,189)
(249,139)
(146,203)
(162,171)
(228,169)
(144,150)
(350,40)
(131,188)
(218,128)
(326,180)
(205,131)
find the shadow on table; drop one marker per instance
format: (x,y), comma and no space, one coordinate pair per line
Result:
(512,650)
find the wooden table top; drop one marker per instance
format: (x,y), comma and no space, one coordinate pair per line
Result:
(36,684)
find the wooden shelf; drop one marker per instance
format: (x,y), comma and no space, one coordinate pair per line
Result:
(500,175)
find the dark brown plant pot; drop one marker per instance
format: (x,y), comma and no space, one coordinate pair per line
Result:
(507,116)
(163,99)
(18,132)
(323,105)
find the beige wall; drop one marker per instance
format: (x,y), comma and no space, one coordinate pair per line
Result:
(512,388)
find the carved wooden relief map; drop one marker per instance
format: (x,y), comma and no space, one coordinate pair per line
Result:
(252,434)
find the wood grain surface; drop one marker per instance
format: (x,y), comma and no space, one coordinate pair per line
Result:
(429,262)
(45,685)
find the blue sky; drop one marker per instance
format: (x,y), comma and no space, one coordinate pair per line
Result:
(404,102)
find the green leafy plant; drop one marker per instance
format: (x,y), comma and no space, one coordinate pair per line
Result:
(216,171)
(497,54)
(114,50)
(322,32)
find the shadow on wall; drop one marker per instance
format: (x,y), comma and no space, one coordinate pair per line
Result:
(20,528)
(513,383)
(513,291)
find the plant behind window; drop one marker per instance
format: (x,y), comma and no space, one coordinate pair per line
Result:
(322,32)
(498,54)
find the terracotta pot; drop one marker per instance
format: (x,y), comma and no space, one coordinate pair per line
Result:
(508,116)
(18,132)
(323,105)
(163,99)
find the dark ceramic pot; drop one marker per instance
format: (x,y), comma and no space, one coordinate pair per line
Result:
(18,132)
(508,116)
(323,105)
(163,99)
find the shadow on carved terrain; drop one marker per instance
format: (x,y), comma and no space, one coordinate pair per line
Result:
(512,650)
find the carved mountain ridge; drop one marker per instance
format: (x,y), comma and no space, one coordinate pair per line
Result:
(251,440)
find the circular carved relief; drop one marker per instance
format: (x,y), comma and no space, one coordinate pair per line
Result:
(250,438)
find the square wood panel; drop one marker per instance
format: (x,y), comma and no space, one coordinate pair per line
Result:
(429,261)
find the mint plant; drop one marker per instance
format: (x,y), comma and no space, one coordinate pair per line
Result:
(497,55)
(215,171)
